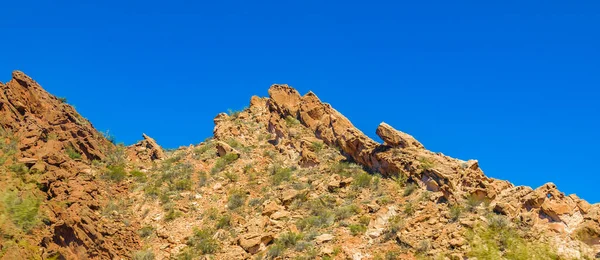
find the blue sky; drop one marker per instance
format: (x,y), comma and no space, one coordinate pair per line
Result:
(514,84)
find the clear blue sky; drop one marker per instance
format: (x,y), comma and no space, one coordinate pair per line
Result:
(514,84)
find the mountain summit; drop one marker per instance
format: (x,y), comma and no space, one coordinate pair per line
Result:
(287,178)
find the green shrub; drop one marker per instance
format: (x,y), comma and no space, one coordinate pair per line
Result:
(232,176)
(455,212)
(146,231)
(289,239)
(172,214)
(291,121)
(22,210)
(409,189)
(401,180)
(115,155)
(362,180)
(224,221)
(116,173)
(357,229)
(203,242)
(62,99)
(19,169)
(281,174)
(472,203)
(143,255)
(138,175)
(236,200)
(346,212)
(317,146)
(275,251)
(183,184)
(222,162)
(498,240)
(72,153)
(202,179)
(426,164)
(423,247)
(409,209)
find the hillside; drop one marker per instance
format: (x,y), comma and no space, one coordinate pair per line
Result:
(287,178)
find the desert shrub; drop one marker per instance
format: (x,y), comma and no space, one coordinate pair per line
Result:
(392,255)
(202,242)
(223,161)
(317,146)
(409,189)
(19,169)
(115,155)
(289,239)
(232,176)
(472,203)
(499,240)
(394,226)
(362,180)
(326,218)
(21,209)
(138,175)
(423,247)
(143,255)
(409,208)
(224,221)
(357,229)
(236,199)
(364,220)
(233,113)
(275,250)
(455,212)
(280,174)
(72,153)
(62,99)
(401,180)
(291,121)
(346,212)
(183,184)
(115,173)
(172,214)
(146,231)
(202,179)
(426,164)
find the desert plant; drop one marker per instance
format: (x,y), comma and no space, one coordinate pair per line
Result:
(232,176)
(317,146)
(409,208)
(426,164)
(146,231)
(346,212)
(72,153)
(291,121)
(203,242)
(62,99)
(357,229)
(115,173)
(455,212)
(409,189)
(21,209)
(362,180)
(224,221)
(223,161)
(280,174)
(143,255)
(236,199)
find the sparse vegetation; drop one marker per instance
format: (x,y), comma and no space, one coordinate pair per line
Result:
(455,212)
(62,99)
(280,174)
(409,189)
(146,231)
(224,221)
(236,199)
(426,163)
(21,209)
(222,162)
(291,121)
(409,208)
(201,243)
(143,255)
(357,229)
(72,153)
(362,180)
(498,240)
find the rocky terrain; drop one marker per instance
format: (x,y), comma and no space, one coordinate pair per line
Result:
(287,178)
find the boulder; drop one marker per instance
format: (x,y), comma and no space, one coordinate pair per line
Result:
(395,138)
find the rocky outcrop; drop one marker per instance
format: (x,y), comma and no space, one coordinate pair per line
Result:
(54,141)
(395,138)
(145,151)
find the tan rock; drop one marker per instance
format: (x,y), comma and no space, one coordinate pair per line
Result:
(324,238)
(396,138)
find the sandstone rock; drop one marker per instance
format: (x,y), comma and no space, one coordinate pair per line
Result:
(324,238)
(223,149)
(396,138)
(254,243)
(145,151)
(270,208)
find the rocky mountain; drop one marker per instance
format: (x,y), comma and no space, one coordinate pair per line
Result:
(287,178)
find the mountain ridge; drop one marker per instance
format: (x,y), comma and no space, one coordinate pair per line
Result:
(284,152)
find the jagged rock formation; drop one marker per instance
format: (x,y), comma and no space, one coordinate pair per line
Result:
(289,177)
(57,145)
(145,151)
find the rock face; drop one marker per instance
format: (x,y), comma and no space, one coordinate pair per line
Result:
(396,138)
(145,151)
(55,142)
(299,178)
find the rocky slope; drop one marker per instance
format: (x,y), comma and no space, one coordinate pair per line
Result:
(287,178)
